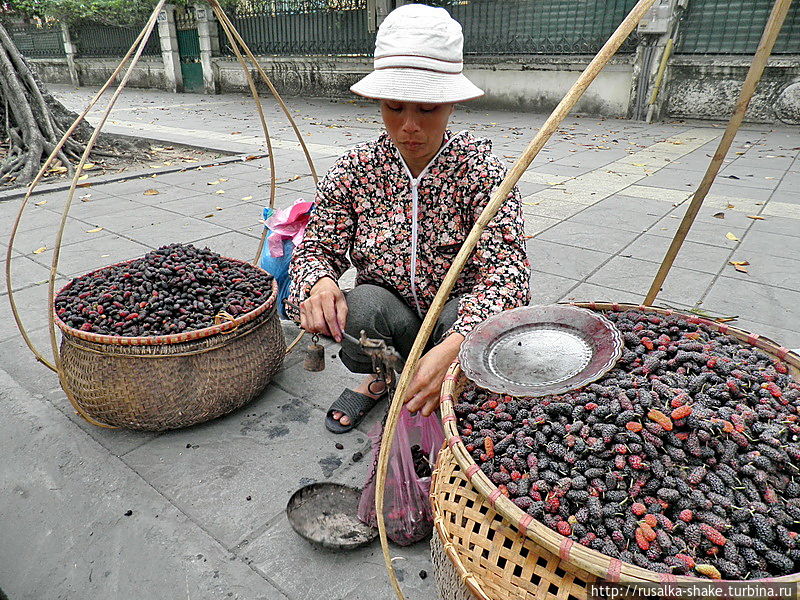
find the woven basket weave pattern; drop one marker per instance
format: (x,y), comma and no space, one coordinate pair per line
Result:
(492,558)
(164,387)
(571,553)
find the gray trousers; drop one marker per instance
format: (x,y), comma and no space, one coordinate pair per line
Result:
(384,316)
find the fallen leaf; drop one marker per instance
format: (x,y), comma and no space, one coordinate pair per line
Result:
(223,179)
(82,177)
(719,215)
(40,250)
(215,182)
(235,132)
(86,198)
(151,192)
(295,178)
(217,208)
(95,230)
(89,166)
(755,217)
(732,177)
(251,157)
(731,206)
(207,216)
(739,265)
(246,198)
(220,192)
(104,255)
(41,203)
(639,164)
(731,237)
(58,170)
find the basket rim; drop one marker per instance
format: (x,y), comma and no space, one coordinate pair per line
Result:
(593,561)
(172,338)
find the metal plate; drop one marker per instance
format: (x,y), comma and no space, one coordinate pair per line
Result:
(540,350)
(325,514)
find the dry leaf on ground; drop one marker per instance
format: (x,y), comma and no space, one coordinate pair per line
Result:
(40,250)
(719,215)
(41,203)
(755,217)
(151,192)
(731,237)
(95,230)
(740,265)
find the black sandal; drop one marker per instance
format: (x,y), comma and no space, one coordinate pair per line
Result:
(353,404)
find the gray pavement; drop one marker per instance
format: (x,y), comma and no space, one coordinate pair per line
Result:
(601,204)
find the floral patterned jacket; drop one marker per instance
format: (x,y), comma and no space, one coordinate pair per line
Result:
(403,233)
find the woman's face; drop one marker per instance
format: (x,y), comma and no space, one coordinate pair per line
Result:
(416,129)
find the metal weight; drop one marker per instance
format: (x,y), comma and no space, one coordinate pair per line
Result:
(315,356)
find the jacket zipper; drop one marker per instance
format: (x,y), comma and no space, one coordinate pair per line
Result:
(415,216)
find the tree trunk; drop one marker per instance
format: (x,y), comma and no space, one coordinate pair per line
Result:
(33,122)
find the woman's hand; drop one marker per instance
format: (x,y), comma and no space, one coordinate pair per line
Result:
(423,392)
(325,310)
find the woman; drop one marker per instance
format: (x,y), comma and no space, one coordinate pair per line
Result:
(400,207)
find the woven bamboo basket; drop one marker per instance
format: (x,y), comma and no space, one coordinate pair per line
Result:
(478,554)
(171,381)
(562,554)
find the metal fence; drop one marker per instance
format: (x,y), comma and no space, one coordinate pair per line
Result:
(734,27)
(490,26)
(34,41)
(303,27)
(538,26)
(94,40)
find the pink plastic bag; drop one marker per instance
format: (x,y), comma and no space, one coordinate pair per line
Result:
(406,506)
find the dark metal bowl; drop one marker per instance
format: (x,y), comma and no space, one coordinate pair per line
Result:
(325,515)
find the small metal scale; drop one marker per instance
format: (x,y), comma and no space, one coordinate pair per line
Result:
(324,513)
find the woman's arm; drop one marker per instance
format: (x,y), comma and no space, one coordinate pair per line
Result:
(321,258)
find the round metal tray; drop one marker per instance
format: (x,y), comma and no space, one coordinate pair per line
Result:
(540,350)
(325,515)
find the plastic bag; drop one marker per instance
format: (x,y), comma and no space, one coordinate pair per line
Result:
(406,507)
(285,229)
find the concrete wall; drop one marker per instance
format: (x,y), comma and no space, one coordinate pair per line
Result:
(697,87)
(149,71)
(534,84)
(707,87)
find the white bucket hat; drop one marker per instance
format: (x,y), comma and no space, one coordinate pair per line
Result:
(418,58)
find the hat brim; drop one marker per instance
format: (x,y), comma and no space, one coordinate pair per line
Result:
(417,85)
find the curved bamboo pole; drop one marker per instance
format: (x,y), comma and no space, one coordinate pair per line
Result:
(230,29)
(499,196)
(768,38)
(32,186)
(148,29)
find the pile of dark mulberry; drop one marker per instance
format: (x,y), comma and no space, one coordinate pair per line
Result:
(174,289)
(682,459)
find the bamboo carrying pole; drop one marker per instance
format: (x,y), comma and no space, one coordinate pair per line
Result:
(499,196)
(771,32)
(136,50)
(32,186)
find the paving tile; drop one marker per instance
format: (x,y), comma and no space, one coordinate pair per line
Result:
(775,271)
(548,289)
(634,275)
(177,229)
(261,451)
(25,272)
(32,306)
(764,304)
(692,255)
(83,257)
(535,224)
(712,232)
(772,244)
(784,337)
(777,224)
(566,261)
(356,575)
(590,237)
(603,217)
(167,193)
(233,244)
(550,207)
